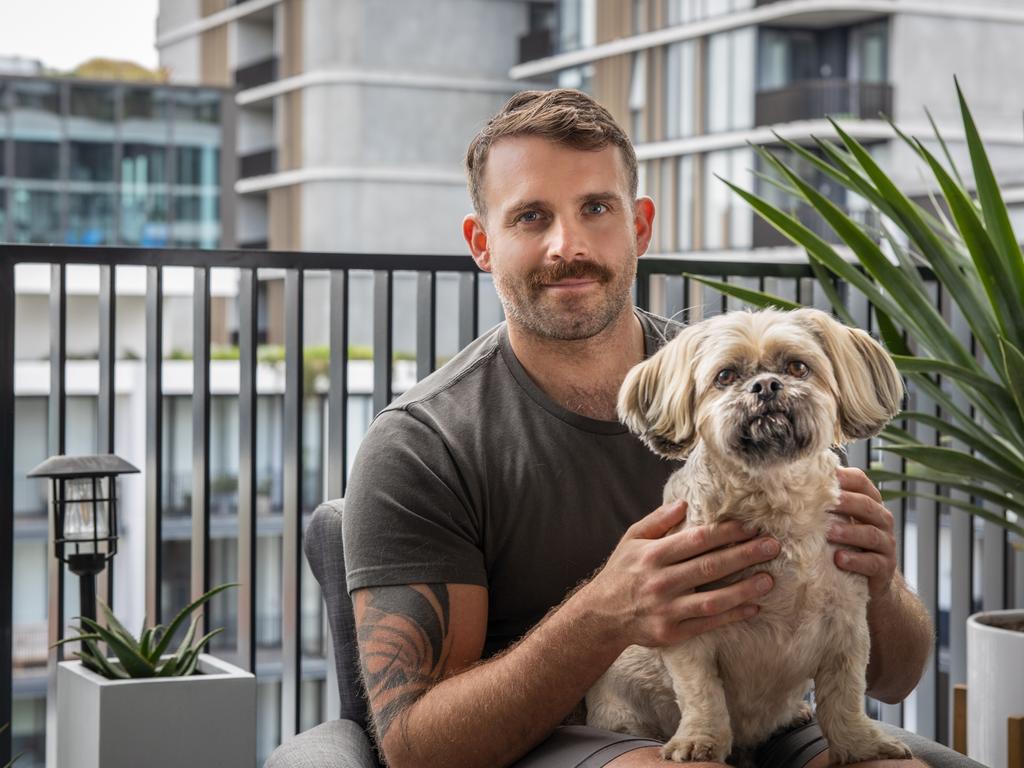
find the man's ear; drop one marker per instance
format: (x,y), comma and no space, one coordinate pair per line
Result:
(643,222)
(476,238)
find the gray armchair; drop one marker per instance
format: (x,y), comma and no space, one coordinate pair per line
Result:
(344,743)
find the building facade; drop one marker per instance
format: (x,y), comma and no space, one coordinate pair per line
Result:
(95,163)
(697,80)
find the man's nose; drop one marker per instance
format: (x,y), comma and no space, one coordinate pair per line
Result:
(766,388)
(567,240)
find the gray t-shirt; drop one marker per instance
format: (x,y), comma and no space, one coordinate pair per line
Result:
(475,476)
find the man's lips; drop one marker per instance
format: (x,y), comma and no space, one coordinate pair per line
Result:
(571,283)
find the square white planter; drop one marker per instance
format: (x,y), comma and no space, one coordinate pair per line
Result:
(205,720)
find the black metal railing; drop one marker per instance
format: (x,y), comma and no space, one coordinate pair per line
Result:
(814,99)
(662,285)
(258,73)
(260,163)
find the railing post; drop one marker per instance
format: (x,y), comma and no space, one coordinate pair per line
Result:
(383,298)
(7,301)
(200,576)
(247,336)
(291,545)
(106,397)
(154,440)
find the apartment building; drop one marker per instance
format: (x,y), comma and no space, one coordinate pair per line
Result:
(697,81)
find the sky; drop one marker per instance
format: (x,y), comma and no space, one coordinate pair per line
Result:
(64,33)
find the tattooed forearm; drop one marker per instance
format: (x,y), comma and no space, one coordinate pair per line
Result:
(403,635)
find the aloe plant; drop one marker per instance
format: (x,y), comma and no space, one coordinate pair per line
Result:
(148,655)
(14,759)
(968,244)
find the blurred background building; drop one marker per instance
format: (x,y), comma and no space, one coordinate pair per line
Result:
(340,126)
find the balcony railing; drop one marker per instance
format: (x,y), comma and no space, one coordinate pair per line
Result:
(256,74)
(814,99)
(926,528)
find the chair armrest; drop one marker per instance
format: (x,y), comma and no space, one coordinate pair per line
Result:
(931,752)
(334,744)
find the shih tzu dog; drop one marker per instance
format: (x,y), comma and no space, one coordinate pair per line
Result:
(755,402)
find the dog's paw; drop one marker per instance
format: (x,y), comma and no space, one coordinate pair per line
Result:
(881,747)
(694,750)
(804,714)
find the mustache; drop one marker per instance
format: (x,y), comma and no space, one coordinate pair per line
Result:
(569,270)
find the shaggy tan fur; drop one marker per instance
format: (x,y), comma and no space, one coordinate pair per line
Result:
(769,464)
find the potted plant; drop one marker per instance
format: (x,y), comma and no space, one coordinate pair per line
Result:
(14,759)
(966,241)
(151,704)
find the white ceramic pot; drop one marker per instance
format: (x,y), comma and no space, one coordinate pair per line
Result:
(206,720)
(995,683)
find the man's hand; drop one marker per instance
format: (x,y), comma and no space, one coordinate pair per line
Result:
(871,531)
(649,586)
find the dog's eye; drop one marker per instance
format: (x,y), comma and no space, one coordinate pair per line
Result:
(798,369)
(725,377)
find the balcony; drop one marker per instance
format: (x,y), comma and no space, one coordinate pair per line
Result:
(260,163)
(256,74)
(297,659)
(815,99)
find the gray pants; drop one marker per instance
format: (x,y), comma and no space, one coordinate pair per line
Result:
(343,744)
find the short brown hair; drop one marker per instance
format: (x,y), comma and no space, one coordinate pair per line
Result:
(564,116)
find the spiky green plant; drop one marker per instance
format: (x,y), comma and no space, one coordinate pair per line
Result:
(148,655)
(14,759)
(973,253)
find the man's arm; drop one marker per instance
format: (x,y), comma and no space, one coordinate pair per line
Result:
(901,629)
(433,706)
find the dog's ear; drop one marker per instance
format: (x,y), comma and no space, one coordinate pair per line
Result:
(870,388)
(657,398)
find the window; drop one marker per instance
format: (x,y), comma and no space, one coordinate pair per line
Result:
(638,96)
(680,85)
(197,166)
(91,161)
(35,216)
(90,219)
(37,159)
(730,80)
(92,102)
(684,203)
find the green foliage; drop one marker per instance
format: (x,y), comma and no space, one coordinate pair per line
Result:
(14,759)
(143,656)
(967,242)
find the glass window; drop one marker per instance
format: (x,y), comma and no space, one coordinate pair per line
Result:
(638,96)
(197,107)
(741,221)
(143,164)
(666,243)
(718,54)
(36,97)
(37,159)
(684,204)
(730,80)
(680,89)
(716,200)
(93,102)
(197,166)
(91,161)
(35,216)
(90,219)
(869,53)
(144,217)
(196,220)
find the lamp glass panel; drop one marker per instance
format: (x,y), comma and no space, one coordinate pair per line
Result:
(85,517)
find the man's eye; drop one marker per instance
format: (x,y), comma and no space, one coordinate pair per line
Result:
(725,377)
(597,208)
(529,217)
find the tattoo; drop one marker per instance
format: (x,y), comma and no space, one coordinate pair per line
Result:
(403,635)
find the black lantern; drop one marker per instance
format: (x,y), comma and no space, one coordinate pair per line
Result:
(85,515)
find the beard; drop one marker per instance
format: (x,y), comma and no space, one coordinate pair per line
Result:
(529,304)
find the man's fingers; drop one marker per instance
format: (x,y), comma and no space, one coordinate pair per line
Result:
(704,605)
(659,522)
(866,537)
(691,542)
(694,627)
(854,479)
(713,566)
(864,509)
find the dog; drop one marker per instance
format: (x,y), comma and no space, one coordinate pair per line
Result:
(756,402)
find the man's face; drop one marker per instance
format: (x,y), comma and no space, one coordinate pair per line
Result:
(561,236)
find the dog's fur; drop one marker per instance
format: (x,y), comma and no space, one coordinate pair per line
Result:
(769,464)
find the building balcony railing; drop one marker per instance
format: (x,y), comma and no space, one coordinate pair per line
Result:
(663,285)
(814,99)
(256,74)
(260,163)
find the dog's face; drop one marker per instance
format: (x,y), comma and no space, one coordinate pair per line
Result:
(761,388)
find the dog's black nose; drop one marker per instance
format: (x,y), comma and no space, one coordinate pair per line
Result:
(766,388)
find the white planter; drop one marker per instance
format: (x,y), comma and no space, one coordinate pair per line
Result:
(205,720)
(995,684)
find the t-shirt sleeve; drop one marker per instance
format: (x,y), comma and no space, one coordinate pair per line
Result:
(408,518)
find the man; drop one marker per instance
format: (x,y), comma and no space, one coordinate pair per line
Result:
(495,489)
